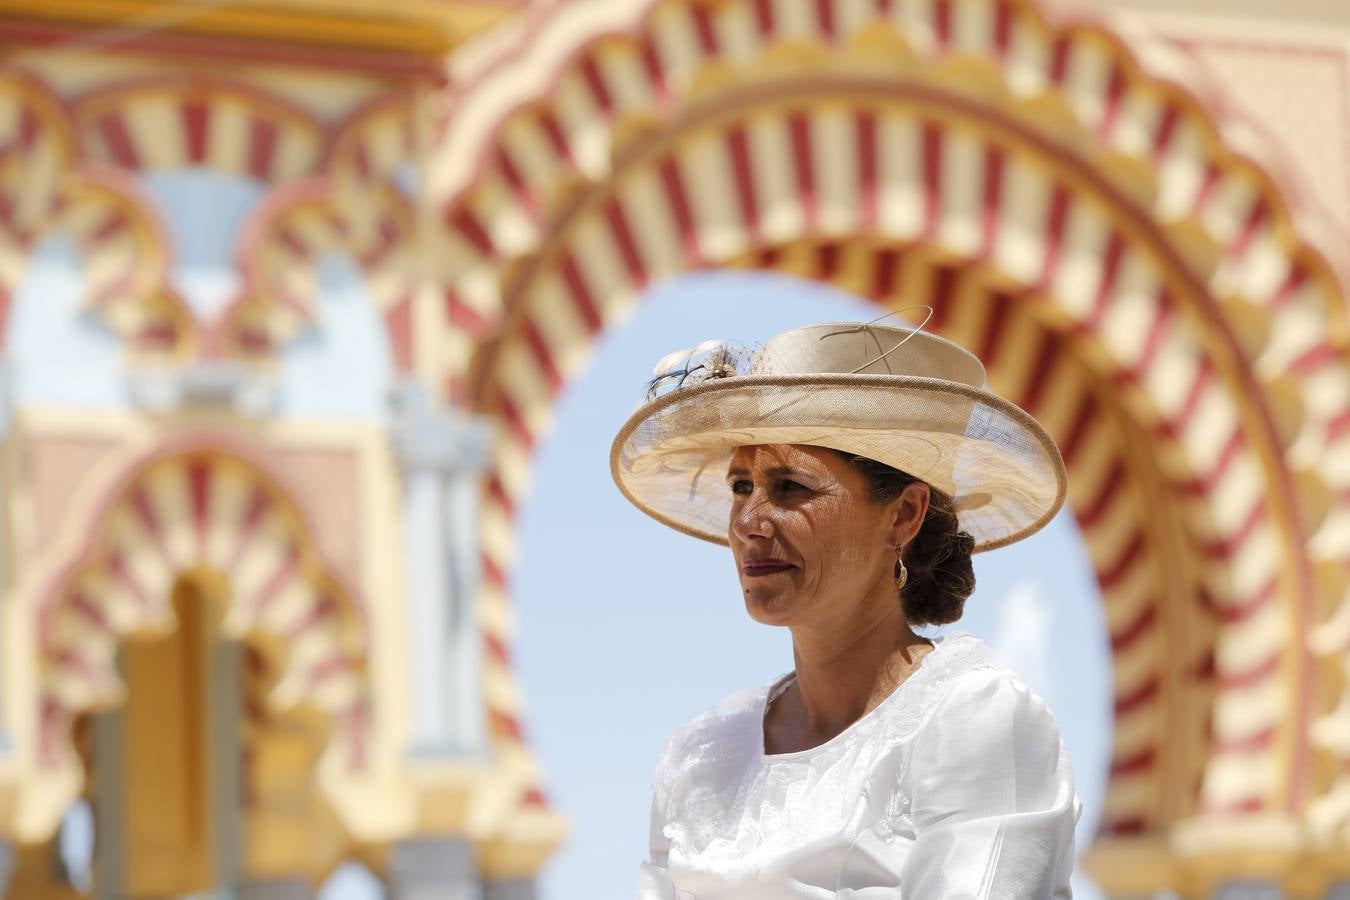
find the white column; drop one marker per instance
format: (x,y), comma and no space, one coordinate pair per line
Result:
(442,454)
(433,869)
(510,889)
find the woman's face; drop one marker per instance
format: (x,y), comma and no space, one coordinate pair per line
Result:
(810,543)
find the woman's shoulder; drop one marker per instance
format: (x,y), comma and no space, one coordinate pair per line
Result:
(724,728)
(972,686)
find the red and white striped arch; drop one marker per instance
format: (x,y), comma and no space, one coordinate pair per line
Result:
(283,243)
(172,123)
(1088,209)
(180,513)
(126,261)
(36,148)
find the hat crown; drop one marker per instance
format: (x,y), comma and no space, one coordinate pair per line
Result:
(868,349)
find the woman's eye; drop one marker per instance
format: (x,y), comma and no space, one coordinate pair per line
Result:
(741,486)
(788,485)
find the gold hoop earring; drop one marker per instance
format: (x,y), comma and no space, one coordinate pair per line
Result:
(903,577)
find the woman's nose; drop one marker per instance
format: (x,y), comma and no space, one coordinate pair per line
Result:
(752,519)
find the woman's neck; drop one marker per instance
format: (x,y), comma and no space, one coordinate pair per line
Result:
(845,669)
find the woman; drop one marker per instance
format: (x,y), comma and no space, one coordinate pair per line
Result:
(853,469)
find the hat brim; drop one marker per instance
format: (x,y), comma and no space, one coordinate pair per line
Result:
(999,465)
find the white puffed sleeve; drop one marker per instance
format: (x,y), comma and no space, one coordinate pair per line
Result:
(653,877)
(993,802)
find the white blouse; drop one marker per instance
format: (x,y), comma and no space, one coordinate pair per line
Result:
(955,786)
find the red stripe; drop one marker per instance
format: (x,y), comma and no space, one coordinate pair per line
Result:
(1204,374)
(1231,613)
(92,614)
(581,294)
(504,726)
(539,350)
(462,315)
(113,129)
(942,22)
(703,24)
(1207,185)
(496,492)
(679,204)
(887,266)
(1002,27)
(1256,217)
(1140,696)
(1234,808)
(1250,676)
(533,797)
(117,565)
(28,129)
(652,63)
(1251,743)
(496,649)
(623,236)
(1292,283)
(800,130)
(1162,316)
(1135,763)
(1059,59)
(553,131)
(1224,547)
(280,575)
(1110,576)
(361,162)
(466,223)
(1167,126)
(262,145)
(112,225)
(515,422)
(932,177)
(1054,235)
(825,17)
(398,323)
(999,306)
(1111,485)
(942,294)
(258,504)
(764,16)
(492,573)
(1111,257)
(590,73)
(291,240)
(1126,825)
(827,260)
(198,474)
(1087,412)
(866,127)
(1202,484)
(1115,91)
(739,151)
(993,191)
(194,127)
(1133,631)
(1311,360)
(1338,427)
(884,7)
(517,183)
(1045,359)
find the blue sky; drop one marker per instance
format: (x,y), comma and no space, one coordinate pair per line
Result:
(626,628)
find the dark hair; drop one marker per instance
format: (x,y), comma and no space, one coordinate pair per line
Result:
(940,573)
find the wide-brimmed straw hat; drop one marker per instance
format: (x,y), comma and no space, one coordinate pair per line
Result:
(900,396)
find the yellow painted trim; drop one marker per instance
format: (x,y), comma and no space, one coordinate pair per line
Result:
(420,27)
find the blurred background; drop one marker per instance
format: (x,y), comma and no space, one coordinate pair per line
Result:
(319,316)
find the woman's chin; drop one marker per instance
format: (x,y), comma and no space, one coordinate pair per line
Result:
(768,607)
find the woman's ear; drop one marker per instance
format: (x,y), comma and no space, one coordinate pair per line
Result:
(910,508)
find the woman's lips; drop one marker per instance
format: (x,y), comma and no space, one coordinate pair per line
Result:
(757,567)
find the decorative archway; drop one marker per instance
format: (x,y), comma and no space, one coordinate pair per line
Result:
(1079,221)
(207,513)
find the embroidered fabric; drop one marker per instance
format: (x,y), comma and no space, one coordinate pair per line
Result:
(724,812)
